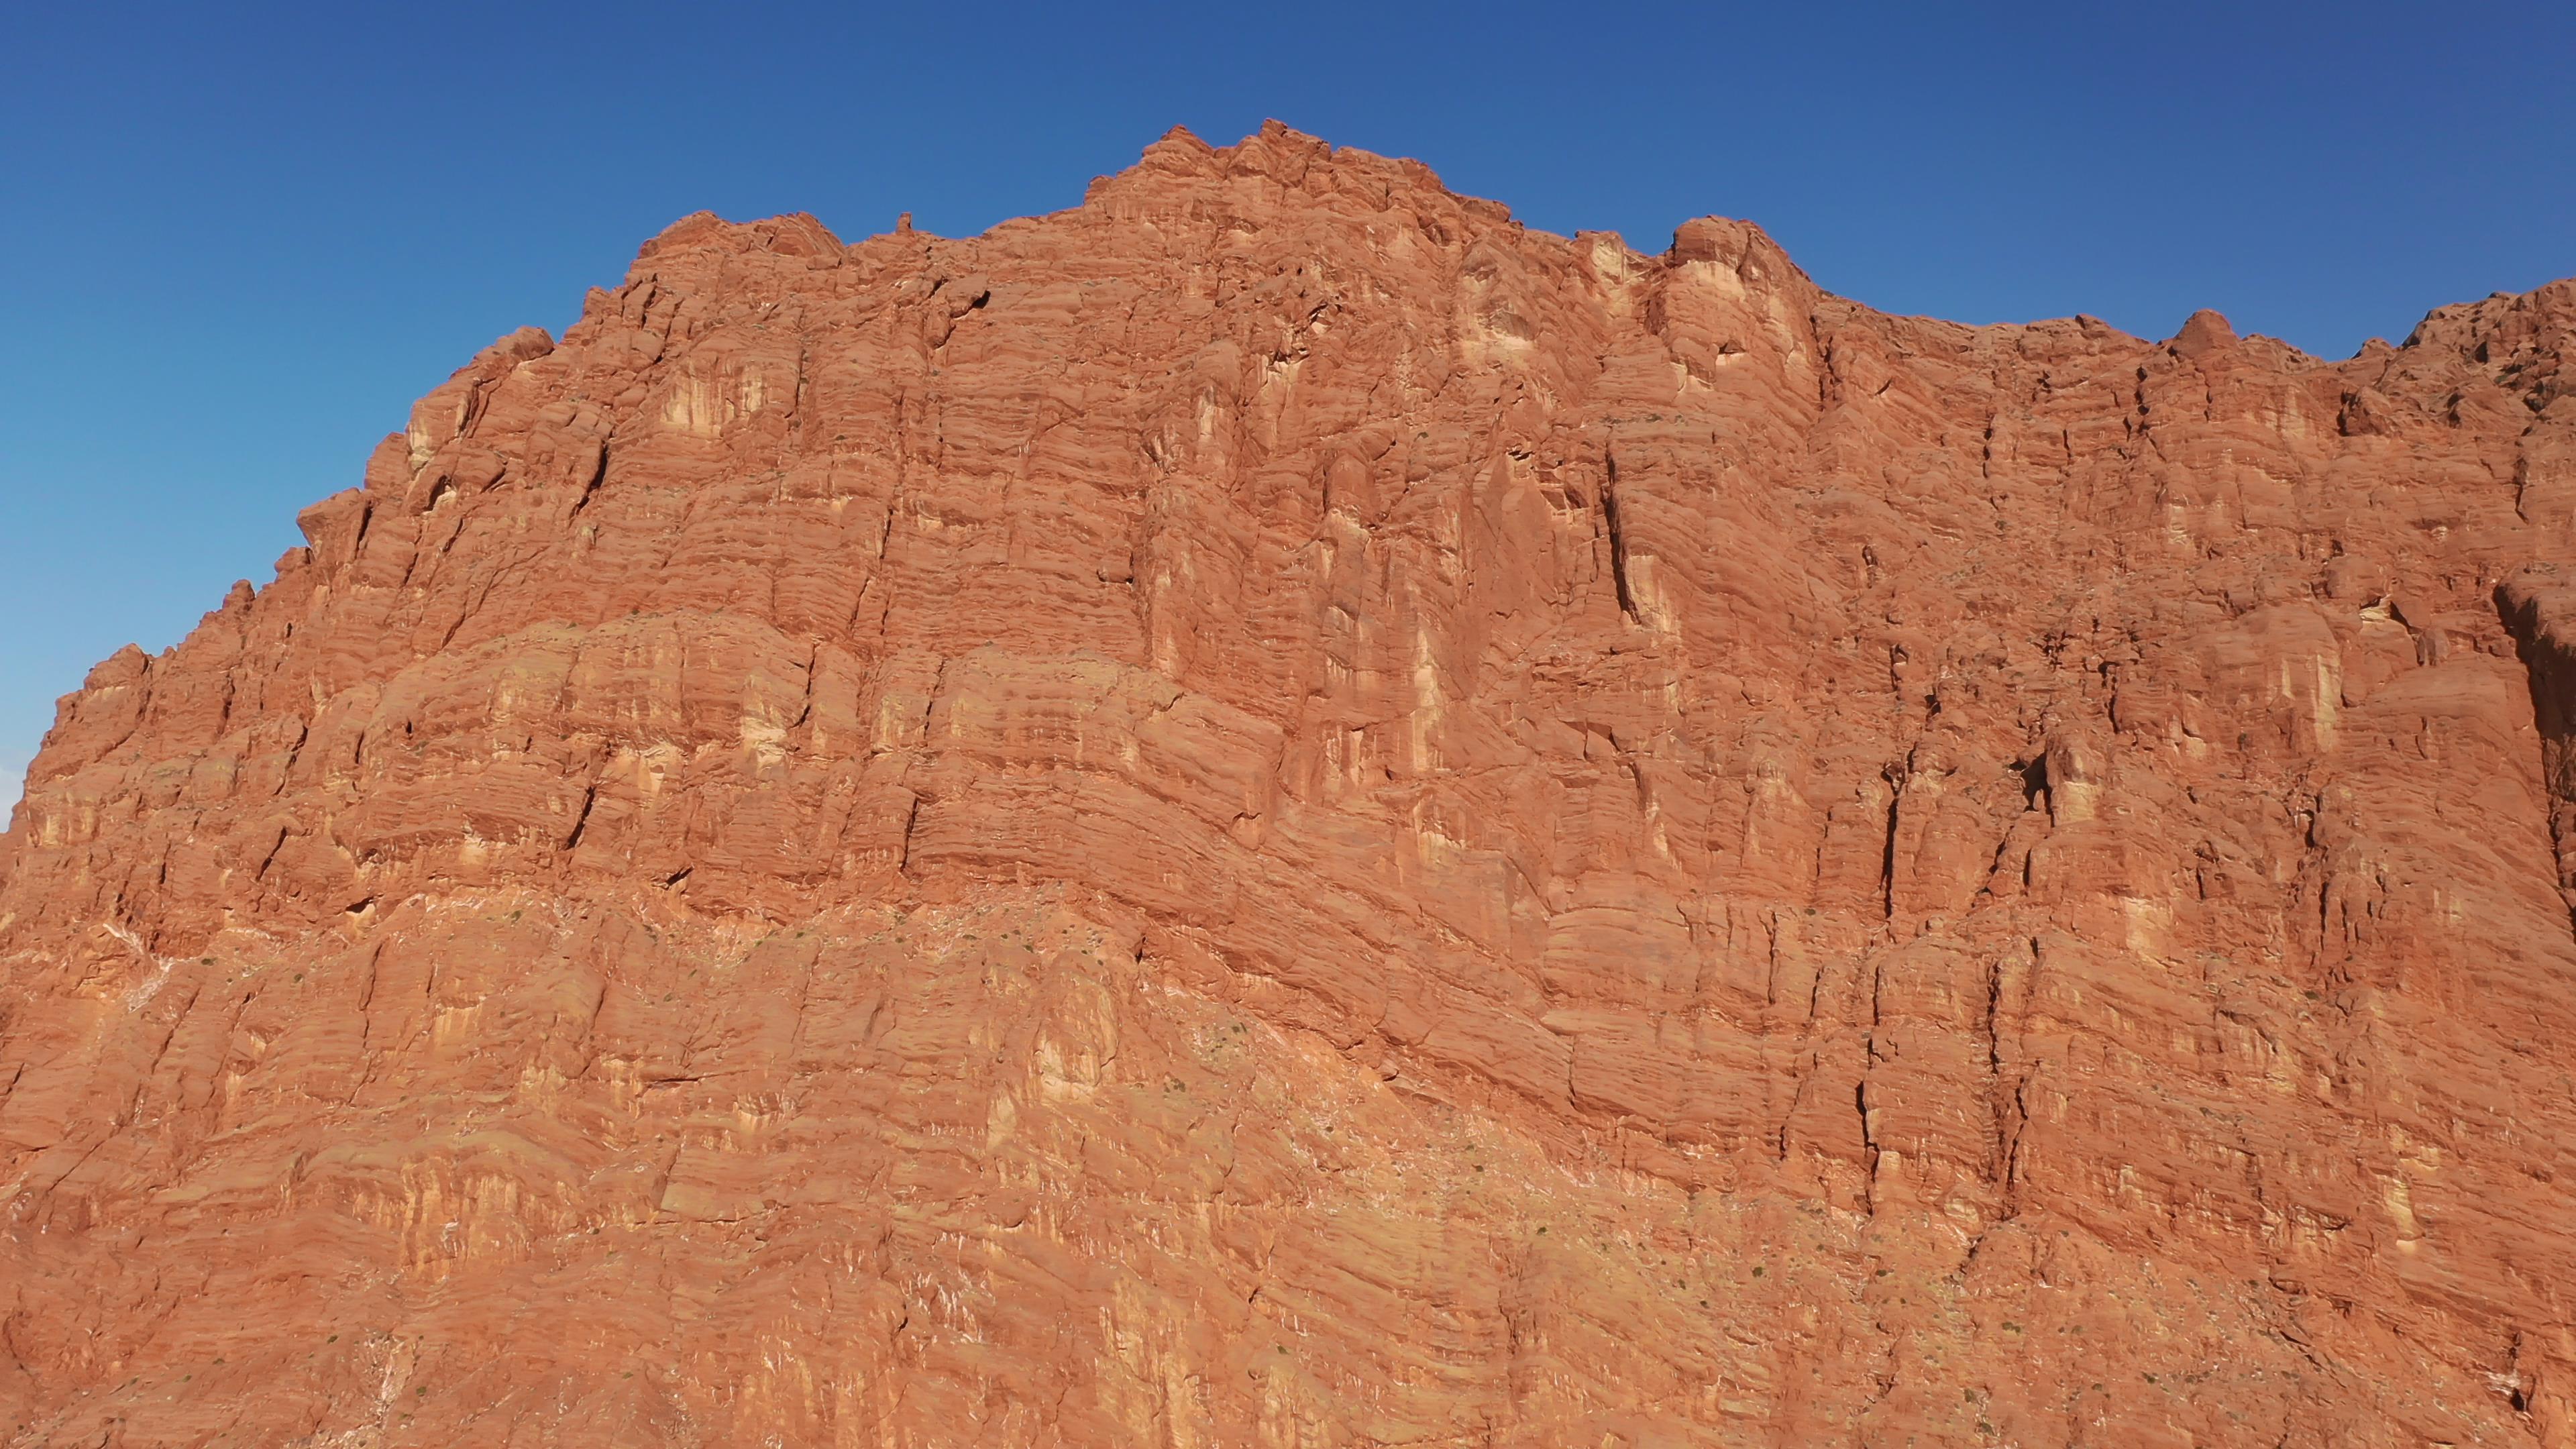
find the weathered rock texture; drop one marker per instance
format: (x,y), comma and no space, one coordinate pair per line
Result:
(1277,812)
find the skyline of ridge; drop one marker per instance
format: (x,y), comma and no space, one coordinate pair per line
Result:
(17,756)
(247,242)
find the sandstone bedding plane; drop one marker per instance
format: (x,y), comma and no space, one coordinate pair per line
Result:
(1276,811)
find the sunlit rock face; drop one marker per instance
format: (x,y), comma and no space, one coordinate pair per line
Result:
(1274,811)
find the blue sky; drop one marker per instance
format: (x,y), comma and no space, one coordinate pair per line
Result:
(236,242)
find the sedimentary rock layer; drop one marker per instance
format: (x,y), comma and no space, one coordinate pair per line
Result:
(1275,811)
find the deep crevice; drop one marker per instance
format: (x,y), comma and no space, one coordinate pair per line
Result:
(598,475)
(2533,607)
(589,798)
(1887,852)
(903,861)
(1618,535)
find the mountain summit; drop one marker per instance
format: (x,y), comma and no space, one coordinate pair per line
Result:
(1277,811)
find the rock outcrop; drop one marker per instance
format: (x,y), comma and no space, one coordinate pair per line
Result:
(1274,811)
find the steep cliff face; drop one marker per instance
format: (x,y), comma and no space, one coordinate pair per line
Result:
(1275,811)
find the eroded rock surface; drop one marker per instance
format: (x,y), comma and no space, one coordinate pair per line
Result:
(1277,812)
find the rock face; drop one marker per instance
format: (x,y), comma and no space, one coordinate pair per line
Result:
(1274,811)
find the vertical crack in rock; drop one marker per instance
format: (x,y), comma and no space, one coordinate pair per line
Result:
(598,474)
(911,821)
(581,820)
(1618,535)
(1868,1141)
(1895,778)
(2539,610)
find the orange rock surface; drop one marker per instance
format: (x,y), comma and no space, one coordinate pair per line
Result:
(1274,811)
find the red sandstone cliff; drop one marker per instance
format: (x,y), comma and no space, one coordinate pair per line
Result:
(1277,812)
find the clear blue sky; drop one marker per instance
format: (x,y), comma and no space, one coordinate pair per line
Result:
(236,241)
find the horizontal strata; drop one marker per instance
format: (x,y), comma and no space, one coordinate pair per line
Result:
(1277,811)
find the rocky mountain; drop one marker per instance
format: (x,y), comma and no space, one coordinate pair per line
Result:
(1276,811)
